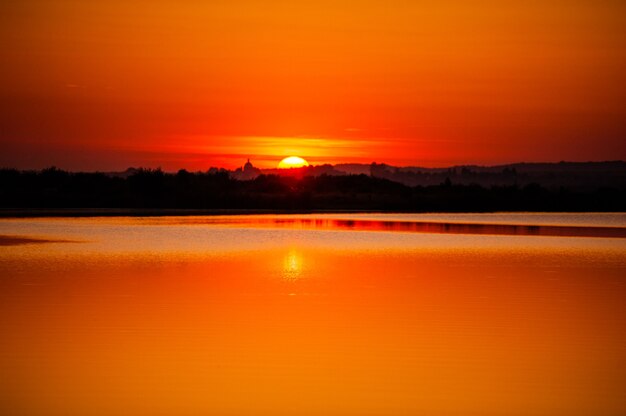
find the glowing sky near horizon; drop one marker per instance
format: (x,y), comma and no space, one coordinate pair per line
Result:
(192,84)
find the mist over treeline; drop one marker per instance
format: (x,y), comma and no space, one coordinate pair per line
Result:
(582,176)
(217,189)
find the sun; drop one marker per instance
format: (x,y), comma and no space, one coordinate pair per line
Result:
(292,162)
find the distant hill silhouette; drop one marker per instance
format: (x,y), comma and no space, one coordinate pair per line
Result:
(573,175)
(598,186)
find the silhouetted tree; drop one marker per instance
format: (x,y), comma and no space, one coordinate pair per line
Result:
(215,189)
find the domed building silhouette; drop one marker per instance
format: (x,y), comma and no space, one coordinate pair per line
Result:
(248,167)
(247,172)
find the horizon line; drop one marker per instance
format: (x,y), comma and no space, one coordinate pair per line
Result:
(53,166)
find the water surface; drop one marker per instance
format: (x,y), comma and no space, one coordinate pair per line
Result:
(310,315)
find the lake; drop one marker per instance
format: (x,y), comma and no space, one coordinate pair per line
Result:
(320,314)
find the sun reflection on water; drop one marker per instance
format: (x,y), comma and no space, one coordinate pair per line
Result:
(292,265)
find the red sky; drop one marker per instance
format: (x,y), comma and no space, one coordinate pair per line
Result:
(103,85)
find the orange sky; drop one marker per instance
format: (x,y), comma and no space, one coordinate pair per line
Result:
(191,84)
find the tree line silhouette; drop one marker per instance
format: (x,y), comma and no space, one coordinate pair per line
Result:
(53,188)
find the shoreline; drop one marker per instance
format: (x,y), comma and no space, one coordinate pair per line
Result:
(181,212)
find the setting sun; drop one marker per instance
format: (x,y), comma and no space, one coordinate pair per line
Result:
(292,162)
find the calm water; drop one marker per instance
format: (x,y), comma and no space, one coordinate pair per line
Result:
(371,314)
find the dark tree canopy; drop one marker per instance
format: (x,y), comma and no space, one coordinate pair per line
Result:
(154,189)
